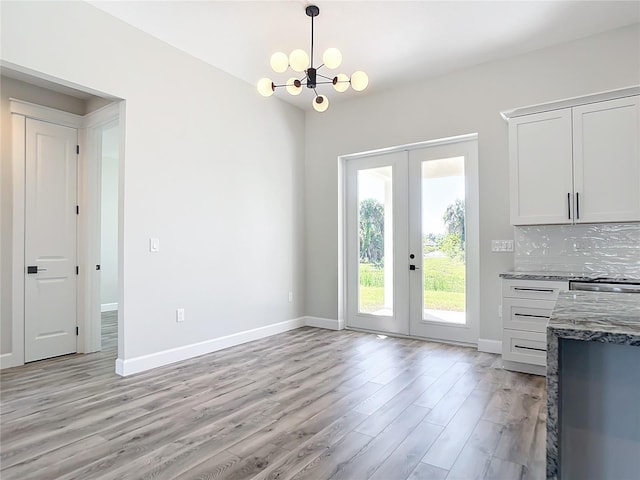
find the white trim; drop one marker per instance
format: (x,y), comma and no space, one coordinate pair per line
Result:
(146,362)
(50,78)
(524,368)
(411,146)
(490,346)
(102,116)
(8,360)
(108,307)
(328,323)
(38,112)
(572,102)
(18,132)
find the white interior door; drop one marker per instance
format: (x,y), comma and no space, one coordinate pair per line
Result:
(442,227)
(50,240)
(377,272)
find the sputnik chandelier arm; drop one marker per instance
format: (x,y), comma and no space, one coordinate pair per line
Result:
(299,61)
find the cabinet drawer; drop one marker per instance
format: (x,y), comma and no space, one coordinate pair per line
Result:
(527,314)
(524,347)
(538,289)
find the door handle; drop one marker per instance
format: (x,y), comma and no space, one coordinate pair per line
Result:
(413,267)
(31,269)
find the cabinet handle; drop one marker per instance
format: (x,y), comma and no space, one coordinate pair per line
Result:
(577,206)
(531,348)
(533,316)
(569,205)
(524,289)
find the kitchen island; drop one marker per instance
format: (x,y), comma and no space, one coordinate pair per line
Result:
(593,386)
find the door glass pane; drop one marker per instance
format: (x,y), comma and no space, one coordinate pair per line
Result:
(443,240)
(375,241)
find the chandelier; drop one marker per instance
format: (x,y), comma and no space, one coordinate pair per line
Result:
(299,61)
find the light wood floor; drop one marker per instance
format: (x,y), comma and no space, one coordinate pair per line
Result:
(306,404)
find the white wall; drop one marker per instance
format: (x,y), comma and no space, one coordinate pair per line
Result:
(109,220)
(213,170)
(11,88)
(462,102)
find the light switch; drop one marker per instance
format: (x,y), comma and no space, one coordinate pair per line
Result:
(154,245)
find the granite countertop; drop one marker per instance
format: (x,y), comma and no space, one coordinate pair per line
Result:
(595,316)
(588,316)
(555,276)
(561,276)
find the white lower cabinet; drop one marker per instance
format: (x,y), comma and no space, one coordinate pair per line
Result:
(526,309)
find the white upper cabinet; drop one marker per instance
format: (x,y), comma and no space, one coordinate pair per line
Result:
(576,165)
(606,161)
(540,168)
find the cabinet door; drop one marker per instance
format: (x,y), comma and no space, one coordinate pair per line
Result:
(607,161)
(541,172)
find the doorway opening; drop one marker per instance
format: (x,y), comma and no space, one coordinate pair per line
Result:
(29,100)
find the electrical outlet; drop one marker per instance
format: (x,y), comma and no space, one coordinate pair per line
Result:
(290,297)
(180,315)
(502,245)
(580,245)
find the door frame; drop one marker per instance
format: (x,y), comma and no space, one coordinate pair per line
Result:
(87,240)
(472,245)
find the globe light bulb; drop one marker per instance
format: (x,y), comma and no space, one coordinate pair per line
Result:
(294,87)
(359,81)
(299,60)
(340,83)
(279,62)
(332,58)
(265,87)
(320,103)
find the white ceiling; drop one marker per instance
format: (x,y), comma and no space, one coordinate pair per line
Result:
(395,42)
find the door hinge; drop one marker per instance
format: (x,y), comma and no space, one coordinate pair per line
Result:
(78,149)
(77,331)
(77,270)
(77,209)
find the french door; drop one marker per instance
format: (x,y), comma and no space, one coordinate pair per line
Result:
(411,242)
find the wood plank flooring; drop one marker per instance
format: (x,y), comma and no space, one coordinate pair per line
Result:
(306,404)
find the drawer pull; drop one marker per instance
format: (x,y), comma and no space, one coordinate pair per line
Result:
(527,315)
(531,348)
(523,289)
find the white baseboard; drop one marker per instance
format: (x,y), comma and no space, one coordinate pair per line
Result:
(108,307)
(130,366)
(328,323)
(9,360)
(525,368)
(490,346)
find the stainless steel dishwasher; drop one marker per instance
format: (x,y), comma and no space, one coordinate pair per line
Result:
(607,285)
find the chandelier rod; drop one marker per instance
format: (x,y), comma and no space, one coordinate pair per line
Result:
(312,16)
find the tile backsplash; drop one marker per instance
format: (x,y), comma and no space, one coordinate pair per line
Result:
(612,249)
